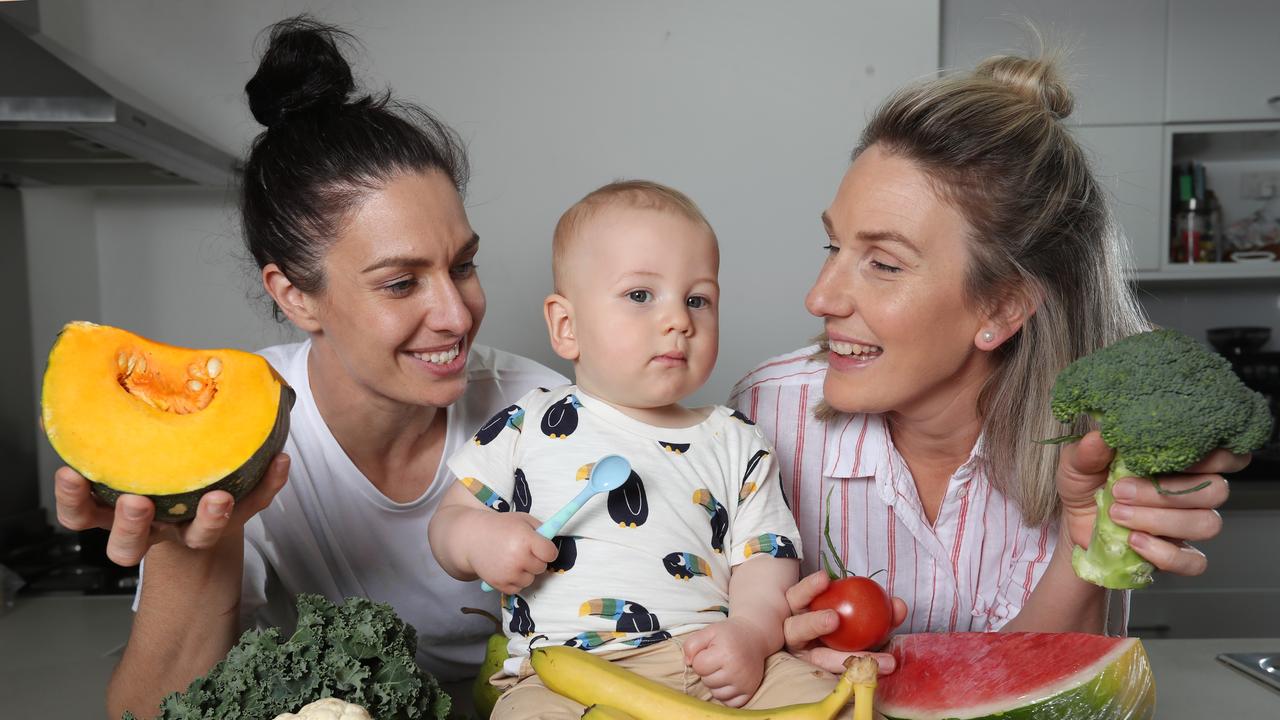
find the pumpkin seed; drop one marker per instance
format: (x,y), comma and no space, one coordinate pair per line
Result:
(195,385)
(121,360)
(142,364)
(133,360)
(214,366)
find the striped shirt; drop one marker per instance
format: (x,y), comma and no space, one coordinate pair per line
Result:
(970,570)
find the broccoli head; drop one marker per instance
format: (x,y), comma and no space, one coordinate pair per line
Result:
(1163,401)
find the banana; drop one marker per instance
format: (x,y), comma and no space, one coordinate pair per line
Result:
(604,712)
(618,693)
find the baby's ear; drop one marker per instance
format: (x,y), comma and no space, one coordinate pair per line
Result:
(558,312)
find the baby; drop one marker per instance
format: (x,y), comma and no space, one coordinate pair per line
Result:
(686,565)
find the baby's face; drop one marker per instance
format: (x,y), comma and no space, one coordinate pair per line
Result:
(646,306)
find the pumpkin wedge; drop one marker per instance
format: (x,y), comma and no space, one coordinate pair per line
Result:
(141,417)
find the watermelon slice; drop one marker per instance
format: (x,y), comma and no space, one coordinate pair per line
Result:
(946,676)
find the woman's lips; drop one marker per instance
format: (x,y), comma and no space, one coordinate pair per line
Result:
(851,354)
(840,362)
(447,361)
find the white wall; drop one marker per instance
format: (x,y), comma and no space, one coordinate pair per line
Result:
(172,262)
(750,107)
(62,268)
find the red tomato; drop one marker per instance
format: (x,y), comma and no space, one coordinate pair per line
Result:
(865,610)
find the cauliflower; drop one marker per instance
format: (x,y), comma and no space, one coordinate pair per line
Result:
(329,708)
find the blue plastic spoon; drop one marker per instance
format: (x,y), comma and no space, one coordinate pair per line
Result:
(609,473)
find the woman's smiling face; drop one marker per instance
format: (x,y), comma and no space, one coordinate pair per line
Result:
(901,331)
(402,301)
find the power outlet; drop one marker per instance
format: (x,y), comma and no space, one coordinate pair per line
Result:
(1259,185)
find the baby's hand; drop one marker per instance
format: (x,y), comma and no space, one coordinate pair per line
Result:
(506,552)
(729,657)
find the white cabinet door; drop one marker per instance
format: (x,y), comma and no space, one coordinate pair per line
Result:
(1238,594)
(1115,50)
(1224,60)
(1128,161)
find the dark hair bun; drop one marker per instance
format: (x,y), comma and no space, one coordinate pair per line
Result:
(1035,79)
(302,69)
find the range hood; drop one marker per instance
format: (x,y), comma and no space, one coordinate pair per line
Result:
(57,127)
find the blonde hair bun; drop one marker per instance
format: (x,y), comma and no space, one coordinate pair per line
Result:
(1035,79)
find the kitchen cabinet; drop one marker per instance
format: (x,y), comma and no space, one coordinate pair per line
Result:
(1237,158)
(1128,162)
(1223,61)
(1115,51)
(1237,596)
(1141,70)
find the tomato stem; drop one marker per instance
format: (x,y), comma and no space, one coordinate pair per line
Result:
(831,547)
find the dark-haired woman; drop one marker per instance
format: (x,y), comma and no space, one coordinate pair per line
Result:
(353,211)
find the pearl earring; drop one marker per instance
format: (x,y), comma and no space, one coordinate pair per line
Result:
(988,336)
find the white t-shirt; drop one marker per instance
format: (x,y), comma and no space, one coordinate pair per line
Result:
(650,559)
(330,532)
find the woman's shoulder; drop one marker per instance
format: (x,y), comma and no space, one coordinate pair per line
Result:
(496,379)
(288,359)
(794,370)
(490,365)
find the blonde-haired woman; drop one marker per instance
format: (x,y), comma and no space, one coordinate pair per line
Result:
(970,257)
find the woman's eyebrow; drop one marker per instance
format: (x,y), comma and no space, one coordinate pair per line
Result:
(471,246)
(826,223)
(888,236)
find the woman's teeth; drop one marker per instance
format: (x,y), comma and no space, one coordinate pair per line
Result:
(439,358)
(848,348)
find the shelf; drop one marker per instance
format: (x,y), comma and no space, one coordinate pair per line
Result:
(1211,272)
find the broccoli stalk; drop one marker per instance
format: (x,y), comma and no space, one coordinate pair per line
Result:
(1163,401)
(1109,561)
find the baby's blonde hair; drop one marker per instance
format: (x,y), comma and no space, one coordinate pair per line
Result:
(636,194)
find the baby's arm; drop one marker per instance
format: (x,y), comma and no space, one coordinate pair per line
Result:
(470,540)
(729,656)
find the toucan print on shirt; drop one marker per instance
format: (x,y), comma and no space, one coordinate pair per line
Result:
(650,559)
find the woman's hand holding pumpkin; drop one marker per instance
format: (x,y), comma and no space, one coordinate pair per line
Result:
(133,527)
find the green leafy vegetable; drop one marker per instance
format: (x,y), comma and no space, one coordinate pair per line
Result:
(359,651)
(1163,401)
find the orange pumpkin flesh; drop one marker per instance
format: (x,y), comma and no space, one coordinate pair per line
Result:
(140,417)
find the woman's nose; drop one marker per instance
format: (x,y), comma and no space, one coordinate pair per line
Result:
(830,295)
(448,311)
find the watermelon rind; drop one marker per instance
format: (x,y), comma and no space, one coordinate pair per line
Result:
(1119,685)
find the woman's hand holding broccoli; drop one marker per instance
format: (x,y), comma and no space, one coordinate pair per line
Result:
(1164,403)
(1159,523)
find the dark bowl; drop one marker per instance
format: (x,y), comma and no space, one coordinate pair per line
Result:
(1237,341)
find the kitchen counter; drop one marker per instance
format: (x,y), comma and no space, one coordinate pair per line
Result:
(59,652)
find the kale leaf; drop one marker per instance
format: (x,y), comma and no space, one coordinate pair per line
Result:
(359,651)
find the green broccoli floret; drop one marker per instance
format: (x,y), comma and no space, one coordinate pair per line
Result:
(1163,401)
